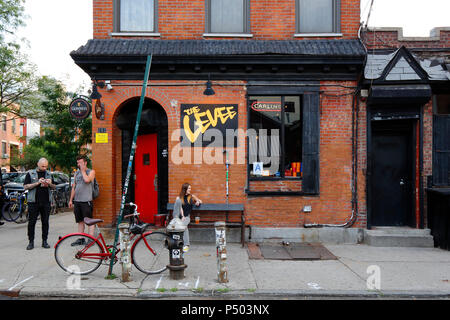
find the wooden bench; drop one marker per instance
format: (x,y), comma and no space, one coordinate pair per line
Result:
(233,214)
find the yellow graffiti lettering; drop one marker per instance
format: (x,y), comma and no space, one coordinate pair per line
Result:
(222,113)
(192,110)
(192,136)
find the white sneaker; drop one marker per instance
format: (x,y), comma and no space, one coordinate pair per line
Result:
(185,249)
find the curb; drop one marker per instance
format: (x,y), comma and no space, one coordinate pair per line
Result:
(10,293)
(224,294)
(257,294)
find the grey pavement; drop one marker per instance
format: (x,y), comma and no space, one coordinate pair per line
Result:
(403,272)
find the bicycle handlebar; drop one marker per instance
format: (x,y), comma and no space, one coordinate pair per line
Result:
(136,213)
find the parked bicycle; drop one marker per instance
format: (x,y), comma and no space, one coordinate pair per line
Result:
(54,202)
(81,253)
(16,207)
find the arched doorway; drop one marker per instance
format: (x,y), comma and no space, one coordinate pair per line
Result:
(148,186)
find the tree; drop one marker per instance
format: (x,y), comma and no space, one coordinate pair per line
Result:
(64,137)
(11,16)
(17,80)
(30,156)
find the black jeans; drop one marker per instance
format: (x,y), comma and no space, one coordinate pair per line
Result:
(34,209)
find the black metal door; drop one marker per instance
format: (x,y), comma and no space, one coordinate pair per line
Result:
(391,174)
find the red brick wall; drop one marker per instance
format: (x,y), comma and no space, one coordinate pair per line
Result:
(333,205)
(274,19)
(185,19)
(393,38)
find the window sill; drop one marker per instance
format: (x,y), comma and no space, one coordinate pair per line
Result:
(305,35)
(274,193)
(226,35)
(135,34)
(275,179)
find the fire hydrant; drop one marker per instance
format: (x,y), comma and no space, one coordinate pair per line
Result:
(175,230)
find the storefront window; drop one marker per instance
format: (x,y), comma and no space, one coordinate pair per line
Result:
(275,137)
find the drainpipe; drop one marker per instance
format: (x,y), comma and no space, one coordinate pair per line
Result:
(355,110)
(351,221)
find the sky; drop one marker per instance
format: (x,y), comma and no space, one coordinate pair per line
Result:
(56,27)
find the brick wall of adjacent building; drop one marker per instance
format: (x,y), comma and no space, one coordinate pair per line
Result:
(12,139)
(383,38)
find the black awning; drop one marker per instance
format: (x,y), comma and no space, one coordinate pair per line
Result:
(143,47)
(223,59)
(418,94)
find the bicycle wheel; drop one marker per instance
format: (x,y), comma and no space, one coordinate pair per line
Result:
(5,211)
(10,211)
(23,216)
(150,254)
(78,258)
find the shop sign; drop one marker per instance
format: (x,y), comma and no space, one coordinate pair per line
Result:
(80,108)
(272,106)
(266,106)
(198,119)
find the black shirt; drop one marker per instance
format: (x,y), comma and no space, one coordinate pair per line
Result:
(41,192)
(187,206)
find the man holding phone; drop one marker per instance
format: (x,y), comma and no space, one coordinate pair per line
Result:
(81,196)
(37,182)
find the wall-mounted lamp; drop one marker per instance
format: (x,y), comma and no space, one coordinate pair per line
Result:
(95,94)
(209,90)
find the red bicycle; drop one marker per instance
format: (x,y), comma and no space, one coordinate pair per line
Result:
(81,253)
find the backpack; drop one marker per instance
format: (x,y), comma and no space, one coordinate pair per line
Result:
(95,189)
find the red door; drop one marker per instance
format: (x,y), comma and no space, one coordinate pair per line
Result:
(146,177)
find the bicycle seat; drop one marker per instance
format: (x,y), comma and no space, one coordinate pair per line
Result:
(91,222)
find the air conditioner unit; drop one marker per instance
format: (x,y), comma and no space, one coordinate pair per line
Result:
(5,156)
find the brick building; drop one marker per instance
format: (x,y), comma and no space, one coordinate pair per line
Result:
(288,72)
(12,131)
(408,100)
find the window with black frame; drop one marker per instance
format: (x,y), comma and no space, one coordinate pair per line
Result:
(228,16)
(318,16)
(275,137)
(136,15)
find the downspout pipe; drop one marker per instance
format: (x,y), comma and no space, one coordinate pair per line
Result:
(355,114)
(351,221)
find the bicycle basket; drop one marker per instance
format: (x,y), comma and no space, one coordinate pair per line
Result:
(138,228)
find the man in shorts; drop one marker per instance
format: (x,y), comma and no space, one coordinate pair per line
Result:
(81,195)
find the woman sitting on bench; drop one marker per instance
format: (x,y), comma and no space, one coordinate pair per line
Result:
(182,209)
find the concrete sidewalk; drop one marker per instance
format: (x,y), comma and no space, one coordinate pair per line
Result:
(404,272)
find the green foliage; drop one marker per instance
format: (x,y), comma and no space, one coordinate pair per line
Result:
(31,155)
(17,81)
(43,99)
(11,16)
(64,137)
(17,74)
